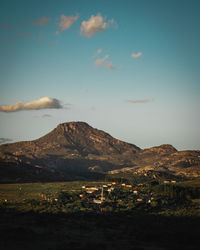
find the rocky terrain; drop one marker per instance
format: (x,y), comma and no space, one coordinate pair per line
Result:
(75,150)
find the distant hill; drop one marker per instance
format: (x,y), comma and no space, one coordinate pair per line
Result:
(75,150)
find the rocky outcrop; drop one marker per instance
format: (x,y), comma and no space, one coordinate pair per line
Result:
(162,149)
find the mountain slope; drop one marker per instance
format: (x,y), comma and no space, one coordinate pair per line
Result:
(75,150)
(71,149)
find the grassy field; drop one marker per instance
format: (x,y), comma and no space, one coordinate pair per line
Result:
(19,192)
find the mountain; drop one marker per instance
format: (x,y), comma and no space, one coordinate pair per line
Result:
(76,150)
(71,150)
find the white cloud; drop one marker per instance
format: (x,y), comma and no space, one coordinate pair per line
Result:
(136,55)
(42,21)
(66,22)
(100,61)
(109,65)
(42,103)
(99,51)
(94,24)
(141,100)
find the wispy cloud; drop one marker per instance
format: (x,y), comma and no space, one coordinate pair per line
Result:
(100,61)
(5,26)
(99,51)
(94,24)
(66,22)
(141,100)
(109,65)
(5,140)
(46,116)
(42,103)
(41,22)
(136,55)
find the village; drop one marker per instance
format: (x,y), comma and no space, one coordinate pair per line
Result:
(120,195)
(112,196)
(97,196)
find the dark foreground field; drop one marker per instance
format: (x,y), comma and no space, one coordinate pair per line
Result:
(97,231)
(52,216)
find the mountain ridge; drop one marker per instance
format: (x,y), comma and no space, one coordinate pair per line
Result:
(76,150)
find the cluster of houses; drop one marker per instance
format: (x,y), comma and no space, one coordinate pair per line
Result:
(102,193)
(97,194)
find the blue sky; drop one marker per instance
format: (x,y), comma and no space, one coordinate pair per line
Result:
(130,68)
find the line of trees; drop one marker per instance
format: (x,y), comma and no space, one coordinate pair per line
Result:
(179,193)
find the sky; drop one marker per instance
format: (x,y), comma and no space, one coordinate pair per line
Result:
(128,67)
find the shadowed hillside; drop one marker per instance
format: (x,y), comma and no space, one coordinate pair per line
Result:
(75,150)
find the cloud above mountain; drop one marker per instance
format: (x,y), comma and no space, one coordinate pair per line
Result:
(94,24)
(46,116)
(140,100)
(42,103)
(66,22)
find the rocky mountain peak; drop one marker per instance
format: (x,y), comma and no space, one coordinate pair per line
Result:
(73,126)
(81,137)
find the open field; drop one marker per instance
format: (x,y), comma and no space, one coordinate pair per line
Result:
(19,192)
